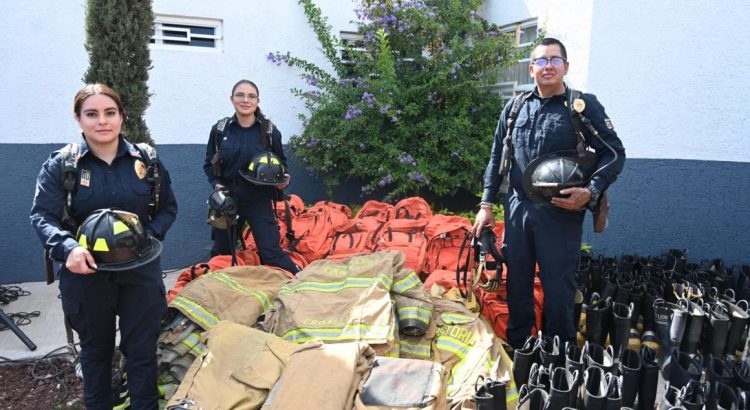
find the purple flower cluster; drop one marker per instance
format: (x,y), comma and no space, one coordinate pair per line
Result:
(455,154)
(312,81)
(407,159)
(456,68)
(353,112)
(417,176)
(367,190)
(278,58)
(357,82)
(312,94)
(369,99)
(384,109)
(387,180)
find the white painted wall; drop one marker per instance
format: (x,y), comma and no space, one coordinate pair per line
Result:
(662,69)
(43,61)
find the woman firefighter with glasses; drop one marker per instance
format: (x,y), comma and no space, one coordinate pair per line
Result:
(245,160)
(101,207)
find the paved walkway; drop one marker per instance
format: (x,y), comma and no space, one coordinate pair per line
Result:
(47,331)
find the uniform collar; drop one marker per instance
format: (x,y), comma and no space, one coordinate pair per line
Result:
(564,95)
(233,120)
(123,147)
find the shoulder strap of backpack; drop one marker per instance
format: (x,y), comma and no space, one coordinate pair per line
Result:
(515,109)
(153,175)
(71,153)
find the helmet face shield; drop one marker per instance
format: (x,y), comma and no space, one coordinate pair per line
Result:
(265,168)
(117,240)
(547,175)
(222,210)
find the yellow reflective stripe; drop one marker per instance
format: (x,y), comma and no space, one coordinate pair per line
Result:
(410,281)
(195,312)
(453,346)
(119,227)
(414,312)
(83,242)
(332,287)
(350,332)
(252,166)
(416,349)
(456,318)
(193,343)
(101,245)
(263,160)
(262,297)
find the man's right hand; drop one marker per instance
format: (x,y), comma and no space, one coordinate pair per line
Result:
(80,261)
(484,218)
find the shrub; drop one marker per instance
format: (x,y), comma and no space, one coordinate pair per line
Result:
(117,38)
(411,111)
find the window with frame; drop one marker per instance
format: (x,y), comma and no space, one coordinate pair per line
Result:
(353,40)
(183,32)
(516,79)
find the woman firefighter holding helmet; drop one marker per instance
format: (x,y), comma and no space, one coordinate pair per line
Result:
(245,160)
(94,211)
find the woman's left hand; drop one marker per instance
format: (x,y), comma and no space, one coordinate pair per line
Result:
(285,183)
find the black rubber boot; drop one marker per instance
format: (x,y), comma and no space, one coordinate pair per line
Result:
(594,389)
(597,319)
(562,393)
(670,399)
(682,368)
(671,320)
(630,370)
(719,371)
(595,273)
(597,356)
(523,358)
(531,399)
(574,360)
(620,326)
(722,396)
(675,260)
(693,395)
(550,353)
(716,330)
(649,380)
(739,319)
(693,329)
(614,391)
(741,375)
(497,390)
(484,400)
(540,377)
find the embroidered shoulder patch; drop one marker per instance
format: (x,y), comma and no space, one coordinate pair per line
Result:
(609,124)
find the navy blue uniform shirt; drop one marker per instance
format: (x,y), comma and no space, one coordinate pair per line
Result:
(238,147)
(544,126)
(99,186)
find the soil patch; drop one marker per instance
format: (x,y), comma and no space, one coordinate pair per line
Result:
(41,384)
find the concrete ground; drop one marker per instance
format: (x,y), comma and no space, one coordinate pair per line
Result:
(47,331)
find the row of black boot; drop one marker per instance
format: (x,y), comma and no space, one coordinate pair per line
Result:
(590,377)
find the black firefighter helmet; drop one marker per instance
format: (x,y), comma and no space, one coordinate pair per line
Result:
(265,169)
(222,209)
(117,240)
(545,176)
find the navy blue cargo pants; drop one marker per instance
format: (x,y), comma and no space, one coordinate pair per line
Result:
(552,237)
(91,304)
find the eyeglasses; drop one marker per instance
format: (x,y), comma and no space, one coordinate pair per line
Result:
(541,62)
(243,96)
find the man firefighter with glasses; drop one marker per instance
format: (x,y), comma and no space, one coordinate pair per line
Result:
(556,152)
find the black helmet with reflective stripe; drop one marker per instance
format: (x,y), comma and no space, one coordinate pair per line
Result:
(117,240)
(265,169)
(545,176)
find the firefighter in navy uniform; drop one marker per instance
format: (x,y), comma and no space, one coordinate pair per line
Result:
(111,266)
(233,144)
(547,229)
